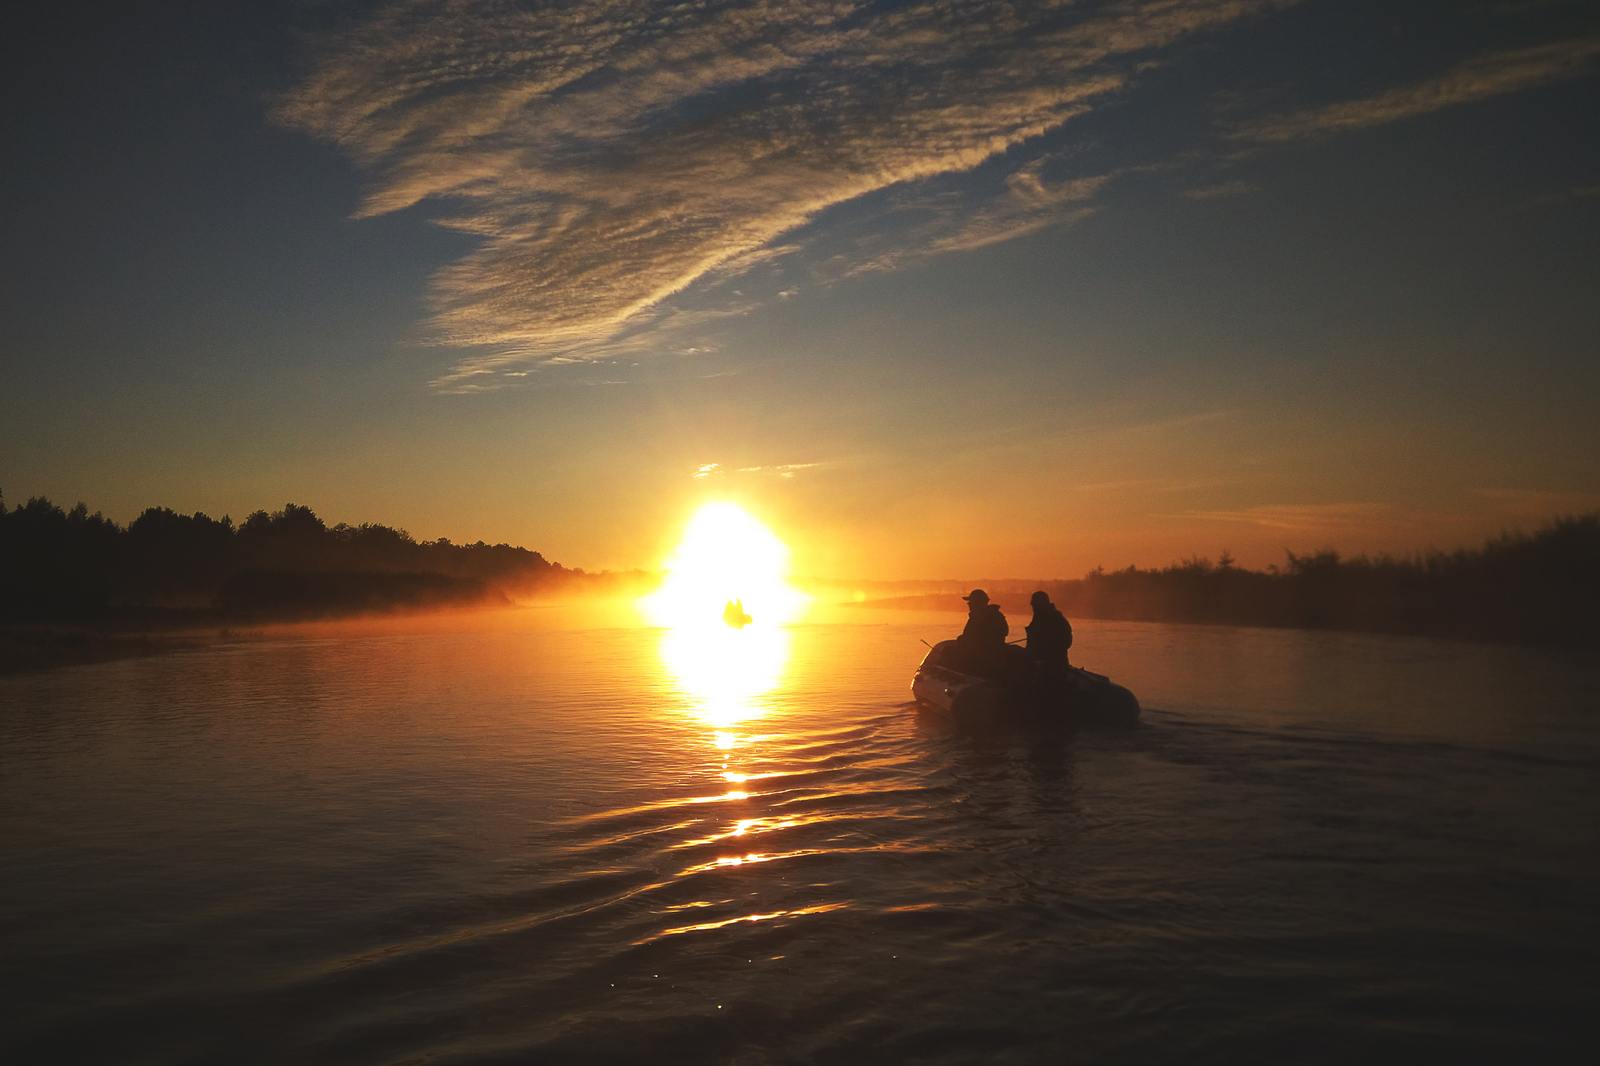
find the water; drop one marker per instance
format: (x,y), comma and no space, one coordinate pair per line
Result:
(542,839)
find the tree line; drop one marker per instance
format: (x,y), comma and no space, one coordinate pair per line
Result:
(1541,589)
(70,566)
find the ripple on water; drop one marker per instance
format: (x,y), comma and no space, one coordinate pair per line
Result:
(514,849)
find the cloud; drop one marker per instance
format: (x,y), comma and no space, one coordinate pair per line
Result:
(1157,484)
(1477,79)
(950,223)
(783,470)
(1307,517)
(663,329)
(1227,188)
(780,470)
(1031,204)
(1377,519)
(1162,425)
(610,153)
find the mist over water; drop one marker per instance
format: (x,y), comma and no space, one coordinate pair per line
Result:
(548,840)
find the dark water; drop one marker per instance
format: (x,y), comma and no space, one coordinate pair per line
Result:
(522,843)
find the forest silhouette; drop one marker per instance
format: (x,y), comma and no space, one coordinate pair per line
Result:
(73,567)
(1540,589)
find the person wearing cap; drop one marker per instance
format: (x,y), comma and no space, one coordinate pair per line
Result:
(984,638)
(1049,634)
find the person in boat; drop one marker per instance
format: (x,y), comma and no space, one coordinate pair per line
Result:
(1049,634)
(983,641)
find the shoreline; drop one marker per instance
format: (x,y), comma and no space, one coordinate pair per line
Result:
(31,649)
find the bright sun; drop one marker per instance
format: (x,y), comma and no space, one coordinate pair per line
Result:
(726,555)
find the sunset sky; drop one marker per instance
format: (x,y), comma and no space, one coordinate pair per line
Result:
(937,289)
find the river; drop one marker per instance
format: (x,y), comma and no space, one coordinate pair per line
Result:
(558,836)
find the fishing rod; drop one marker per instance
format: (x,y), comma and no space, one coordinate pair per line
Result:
(1019,640)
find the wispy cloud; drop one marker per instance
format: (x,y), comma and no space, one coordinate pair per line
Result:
(1386,520)
(610,153)
(783,470)
(1164,425)
(1031,202)
(1156,484)
(661,329)
(1477,79)
(1226,188)
(1306,518)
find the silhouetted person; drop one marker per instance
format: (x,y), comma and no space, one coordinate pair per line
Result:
(983,641)
(1049,634)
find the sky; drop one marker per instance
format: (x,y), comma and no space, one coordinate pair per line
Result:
(935,289)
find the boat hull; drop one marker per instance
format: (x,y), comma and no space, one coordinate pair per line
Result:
(1076,696)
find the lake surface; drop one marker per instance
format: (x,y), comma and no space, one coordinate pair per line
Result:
(551,837)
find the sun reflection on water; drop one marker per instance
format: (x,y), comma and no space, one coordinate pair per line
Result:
(726,663)
(725,674)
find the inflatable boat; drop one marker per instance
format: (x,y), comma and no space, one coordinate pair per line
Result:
(1074,695)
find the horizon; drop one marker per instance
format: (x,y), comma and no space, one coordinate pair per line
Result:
(858,583)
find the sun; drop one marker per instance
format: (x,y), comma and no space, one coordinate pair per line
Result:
(727,555)
(724,603)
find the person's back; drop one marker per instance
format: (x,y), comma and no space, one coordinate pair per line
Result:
(986,625)
(983,641)
(1049,634)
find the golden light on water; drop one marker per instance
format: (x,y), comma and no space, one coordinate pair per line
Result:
(725,672)
(726,555)
(725,607)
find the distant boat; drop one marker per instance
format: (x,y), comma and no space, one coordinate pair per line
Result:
(734,615)
(1075,695)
